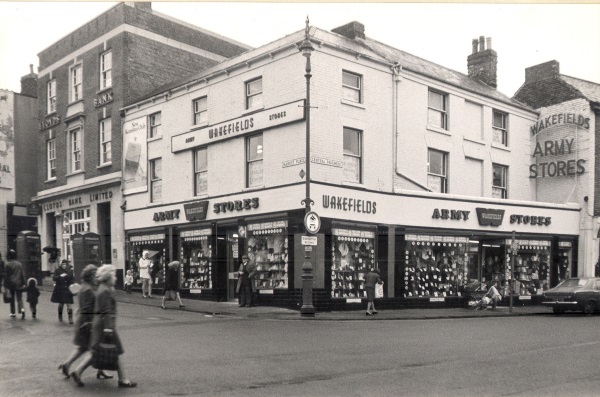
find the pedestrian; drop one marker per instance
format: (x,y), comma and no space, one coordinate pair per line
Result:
(172,284)
(494,295)
(244,287)
(104,323)
(33,294)
(128,281)
(63,278)
(1,271)
(83,327)
(14,282)
(145,266)
(371,279)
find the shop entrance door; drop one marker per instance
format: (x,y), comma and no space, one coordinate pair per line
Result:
(233,261)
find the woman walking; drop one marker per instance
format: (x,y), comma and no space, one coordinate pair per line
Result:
(83,328)
(104,323)
(371,279)
(172,284)
(63,277)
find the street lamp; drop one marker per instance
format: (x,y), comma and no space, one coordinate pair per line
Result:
(307,308)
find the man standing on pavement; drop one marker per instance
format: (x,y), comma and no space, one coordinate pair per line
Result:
(14,281)
(145,266)
(244,287)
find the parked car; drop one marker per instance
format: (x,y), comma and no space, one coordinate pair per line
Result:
(575,294)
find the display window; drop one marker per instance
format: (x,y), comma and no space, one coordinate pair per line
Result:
(196,257)
(532,267)
(435,266)
(156,246)
(353,254)
(267,248)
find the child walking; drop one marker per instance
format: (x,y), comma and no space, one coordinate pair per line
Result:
(128,281)
(33,293)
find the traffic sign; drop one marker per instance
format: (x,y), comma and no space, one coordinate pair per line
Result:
(309,240)
(312,222)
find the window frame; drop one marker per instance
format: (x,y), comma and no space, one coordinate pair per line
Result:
(105,73)
(444,165)
(504,179)
(51,96)
(503,130)
(155,179)
(105,144)
(51,157)
(250,96)
(76,149)
(199,171)
(154,131)
(348,88)
(443,111)
(359,156)
(250,162)
(76,83)
(202,113)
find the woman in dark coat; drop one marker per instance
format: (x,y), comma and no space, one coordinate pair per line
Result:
(172,285)
(83,327)
(63,277)
(104,322)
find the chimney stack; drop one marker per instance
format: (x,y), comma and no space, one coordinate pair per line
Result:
(543,71)
(352,30)
(482,64)
(29,83)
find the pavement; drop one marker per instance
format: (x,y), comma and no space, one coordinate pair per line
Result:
(211,308)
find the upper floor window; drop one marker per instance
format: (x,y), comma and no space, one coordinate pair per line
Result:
(437,171)
(254,161)
(155,123)
(437,115)
(254,92)
(500,124)
(51,97)
(105,128)
(75,143)
(106,70)
(352,86)
(500,181)
(200,172)
(156,180)
(200,110)
(352,155)
(76,81)
(51,157)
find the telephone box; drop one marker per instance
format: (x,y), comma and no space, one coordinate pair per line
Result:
(86,251)
(29,253)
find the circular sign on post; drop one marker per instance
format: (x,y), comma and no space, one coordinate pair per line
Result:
(312,222)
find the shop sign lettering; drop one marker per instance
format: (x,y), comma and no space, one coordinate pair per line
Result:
(195,211)
(560,118)
(103,99)
(489,216)
(236,205)
(75,201)
(166,215)
(531,220)
(50,122)
(101,196)
(349,204)
(52,206)
(455,215)
(556,168)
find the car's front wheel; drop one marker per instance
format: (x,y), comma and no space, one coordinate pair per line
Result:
(557,310)
(589,307)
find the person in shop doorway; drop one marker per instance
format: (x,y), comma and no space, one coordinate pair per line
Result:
(63,278)
(493,293)
(244,284)
(371,279)
(145,266)
(14,282)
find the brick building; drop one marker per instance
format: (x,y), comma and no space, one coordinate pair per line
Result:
(415,169)
(84,79)
(565,148)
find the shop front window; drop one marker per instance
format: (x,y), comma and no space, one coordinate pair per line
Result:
(532,267)
(267,249)
(436,266)
(196,257)
(353,254)
(156,246)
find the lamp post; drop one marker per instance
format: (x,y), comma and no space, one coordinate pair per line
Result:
(307,308)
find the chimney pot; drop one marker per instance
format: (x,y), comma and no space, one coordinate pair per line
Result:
(481,43)
(488,43)
(475,45)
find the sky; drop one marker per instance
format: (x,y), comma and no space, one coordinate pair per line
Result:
(523,35)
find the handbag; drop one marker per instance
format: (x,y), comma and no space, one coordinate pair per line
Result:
(74,288)
(378,290)
(7,296)
(170,295)
(106,354)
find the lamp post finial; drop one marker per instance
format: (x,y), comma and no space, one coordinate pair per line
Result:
(307,28)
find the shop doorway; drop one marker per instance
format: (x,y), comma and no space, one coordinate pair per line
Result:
(493,254)
(228,259)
